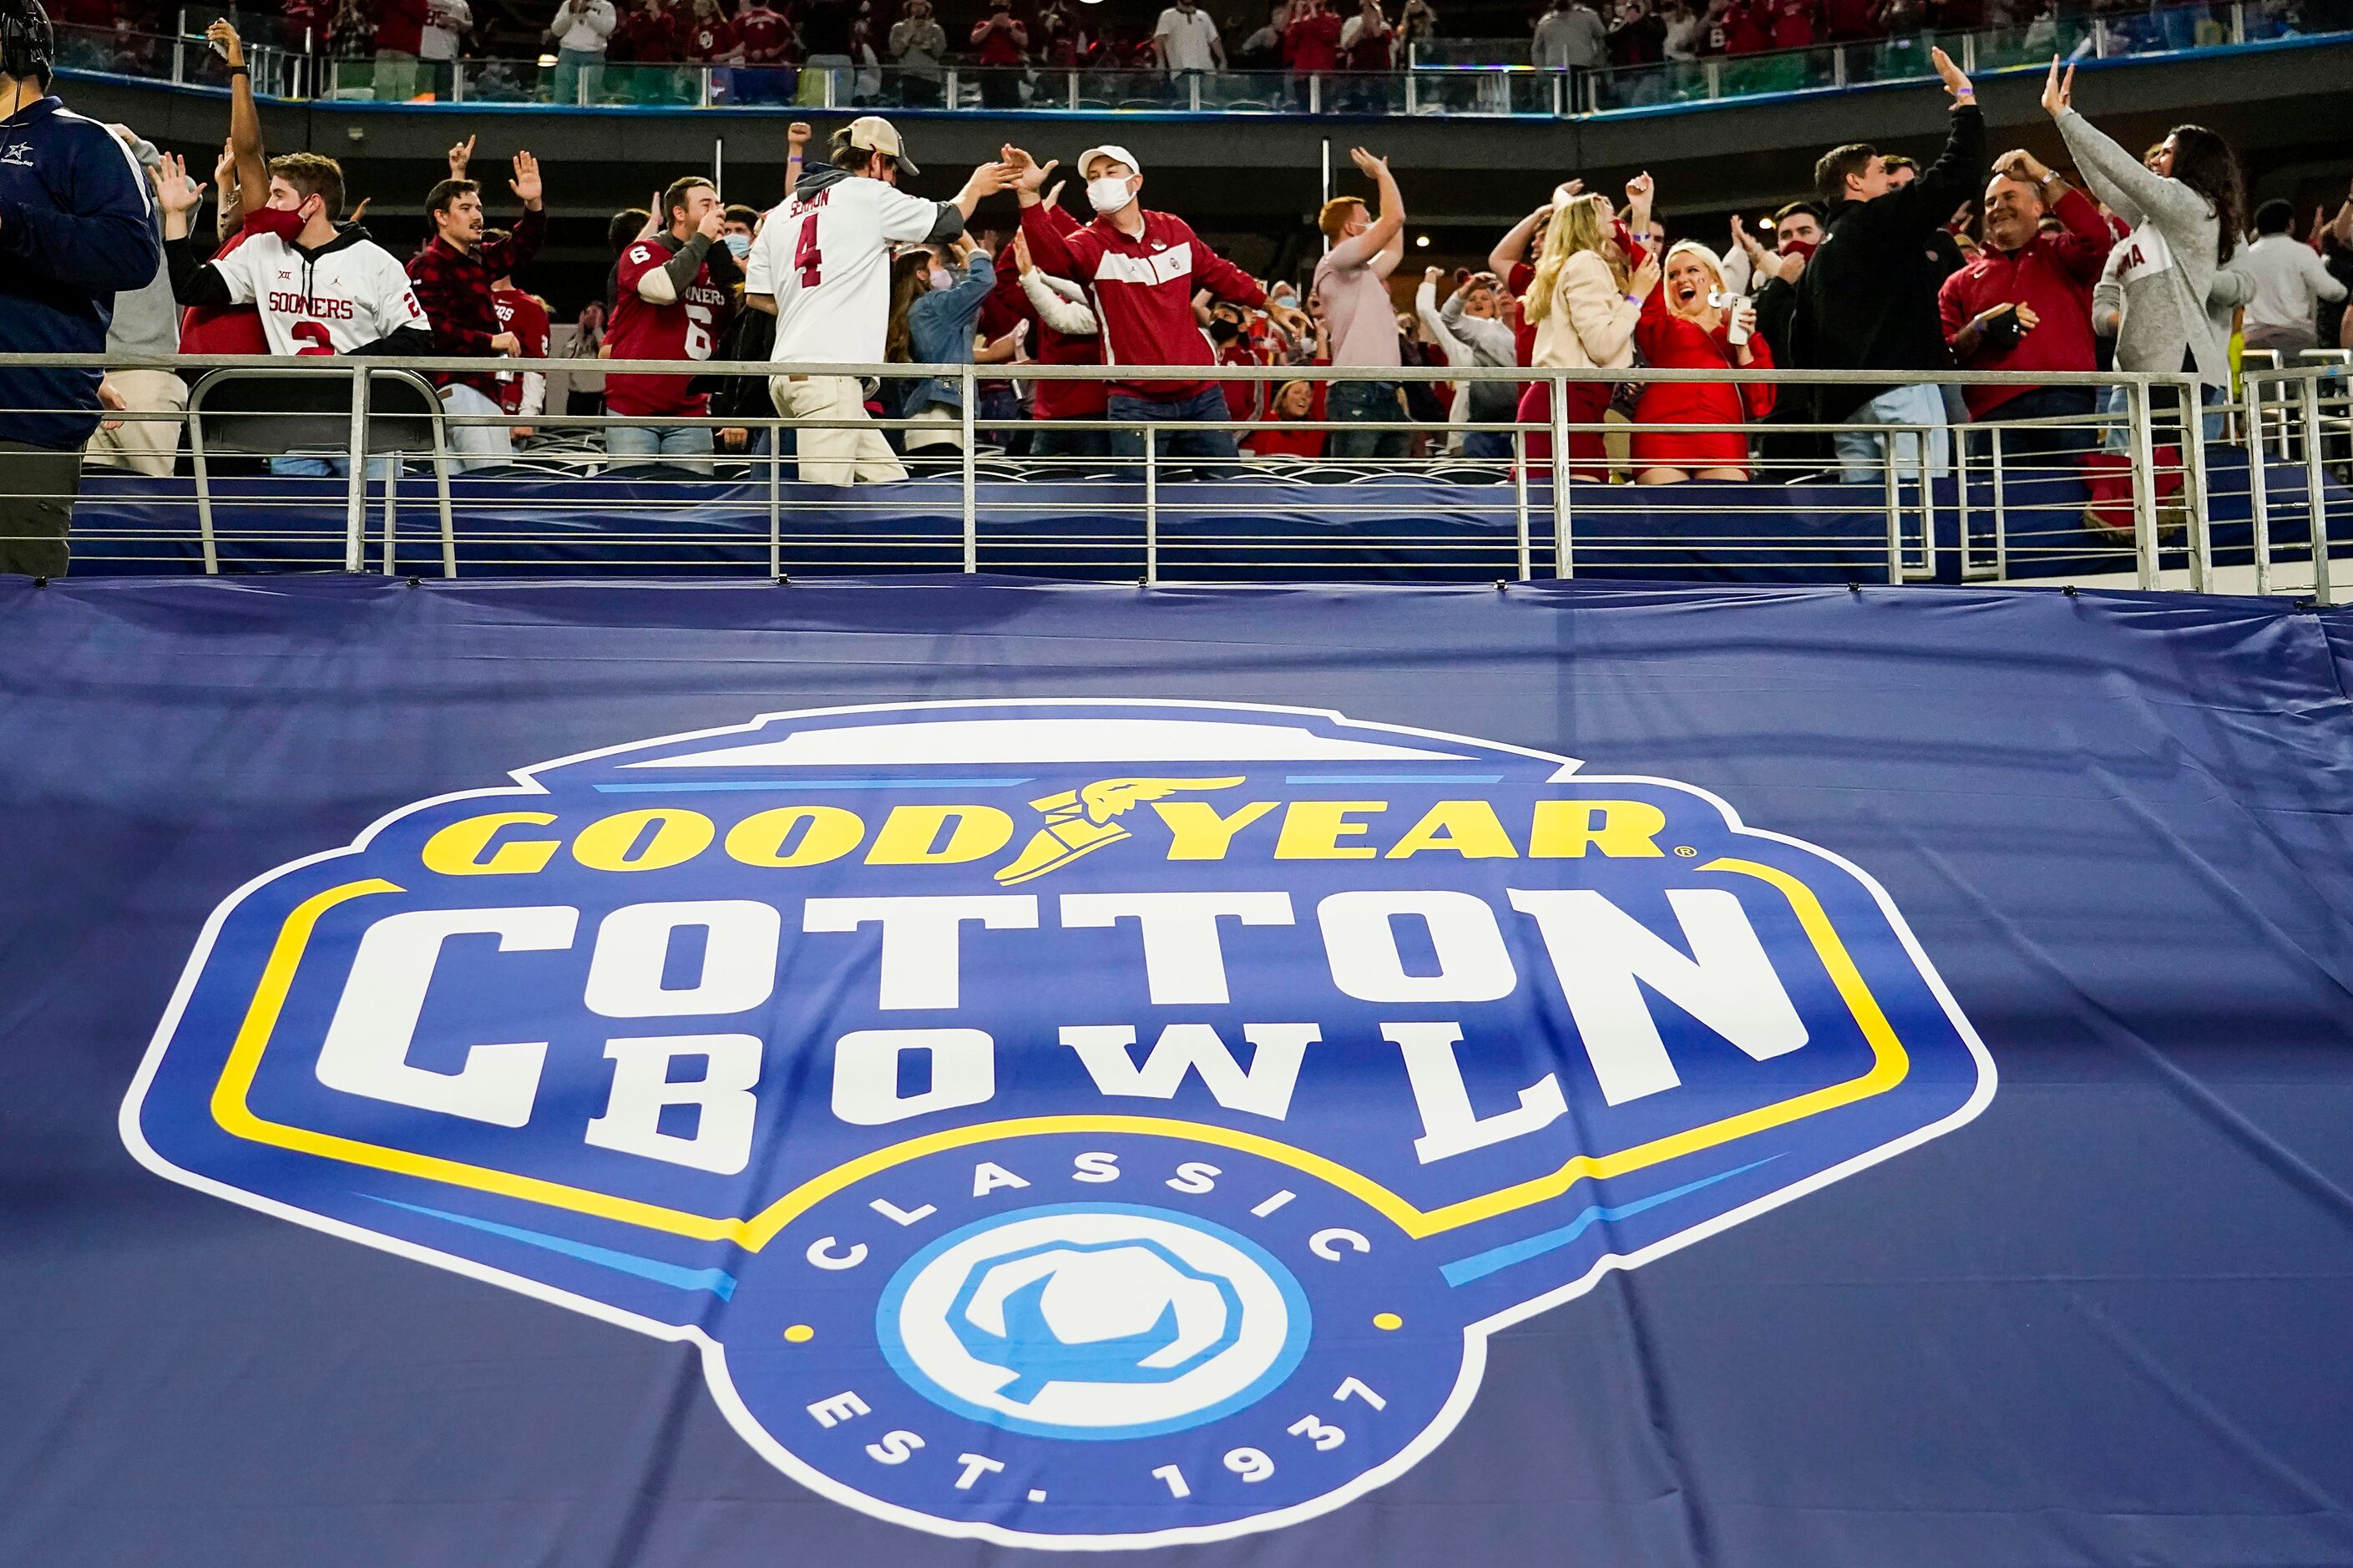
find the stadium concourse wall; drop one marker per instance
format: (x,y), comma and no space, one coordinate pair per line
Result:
(2061,1277)
(2282,105)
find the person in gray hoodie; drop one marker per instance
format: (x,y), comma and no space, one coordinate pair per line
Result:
(146,326)
(2169,287)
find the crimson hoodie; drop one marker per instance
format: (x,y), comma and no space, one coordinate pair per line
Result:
(1143,290)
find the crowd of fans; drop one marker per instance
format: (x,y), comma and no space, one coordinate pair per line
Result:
(2146,262)
(883,53)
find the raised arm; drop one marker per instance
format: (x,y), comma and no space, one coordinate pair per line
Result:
(244,121)
(1512,249)
(1959,175)
(2133,192)
(1388,223)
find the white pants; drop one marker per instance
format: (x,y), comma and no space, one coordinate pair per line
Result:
(148,446)
(476,446)
(849,454)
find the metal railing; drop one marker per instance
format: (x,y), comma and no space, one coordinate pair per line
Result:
(1446,77)
(350,442)
(2300,418)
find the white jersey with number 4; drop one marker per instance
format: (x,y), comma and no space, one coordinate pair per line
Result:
(344,296)
(826,258)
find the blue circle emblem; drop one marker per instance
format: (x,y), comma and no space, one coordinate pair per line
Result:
(1093,1321)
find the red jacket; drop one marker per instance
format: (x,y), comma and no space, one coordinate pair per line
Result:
(1669,342)
(2053,275)
(1311,44)
(400,26)
(1143,290)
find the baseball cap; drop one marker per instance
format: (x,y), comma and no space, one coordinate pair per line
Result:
(1107,150)
(872,134)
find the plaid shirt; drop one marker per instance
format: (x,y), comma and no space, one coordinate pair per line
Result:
(454,287)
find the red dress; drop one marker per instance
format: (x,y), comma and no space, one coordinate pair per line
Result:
(1669,342)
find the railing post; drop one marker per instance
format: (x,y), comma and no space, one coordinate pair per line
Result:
(2000,514)
(1193,85)
(1838,65)
(1559,104)
(2237,22)
(970,393)
(1715,76)
(776,501)
(2194,495)
(1894,507)
(1968,54)
(1151,505)
(702,93)
(1074,92)
(1315,94)
(2316,492)
(1564,548)
(1411,80)
(355,492)
(2144,481)
(832,81)
(1520,500)
(1960,502)
(2259,509)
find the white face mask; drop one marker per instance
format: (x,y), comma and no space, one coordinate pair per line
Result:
(739,245)
(1108,194)
(943,279)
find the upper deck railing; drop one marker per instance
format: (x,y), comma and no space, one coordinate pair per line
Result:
(1485,78)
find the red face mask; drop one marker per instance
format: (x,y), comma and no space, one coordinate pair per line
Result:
(285,224)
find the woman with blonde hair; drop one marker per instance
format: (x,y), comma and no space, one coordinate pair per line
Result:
(1583,304)
(1683,327)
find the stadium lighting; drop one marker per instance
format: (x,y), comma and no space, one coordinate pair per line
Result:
(1421,242)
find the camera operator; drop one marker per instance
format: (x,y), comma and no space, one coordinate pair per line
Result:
(75,228)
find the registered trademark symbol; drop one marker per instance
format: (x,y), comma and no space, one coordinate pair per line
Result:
(1685,850)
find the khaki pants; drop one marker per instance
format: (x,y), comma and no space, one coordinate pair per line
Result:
(148,447)
(855,455)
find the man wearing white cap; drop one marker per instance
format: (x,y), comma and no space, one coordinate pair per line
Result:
(822,267)
(1145,268)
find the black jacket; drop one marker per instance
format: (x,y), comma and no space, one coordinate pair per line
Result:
(1868,298)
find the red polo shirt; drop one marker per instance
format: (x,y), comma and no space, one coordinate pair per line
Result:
(2053,275)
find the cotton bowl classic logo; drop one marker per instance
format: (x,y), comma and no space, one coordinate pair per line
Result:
(1083,1124)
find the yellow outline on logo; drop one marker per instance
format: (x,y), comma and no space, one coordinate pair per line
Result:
(1890,1063)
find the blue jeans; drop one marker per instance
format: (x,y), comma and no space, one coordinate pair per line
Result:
(680,446)
(2165,417)
(1208,403)
(1487,445)
(1353,402)
(2044,444)
(1862,454)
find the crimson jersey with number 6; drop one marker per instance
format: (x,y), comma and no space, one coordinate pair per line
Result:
(688,329)
(825,256)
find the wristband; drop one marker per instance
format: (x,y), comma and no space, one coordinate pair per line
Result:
(239,71)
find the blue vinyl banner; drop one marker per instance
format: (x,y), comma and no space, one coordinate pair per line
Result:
(943,1069)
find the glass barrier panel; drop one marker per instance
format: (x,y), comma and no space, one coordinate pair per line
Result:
(1471,52)
(1652,86)
(1365,92)
(1246,91)
(505,81)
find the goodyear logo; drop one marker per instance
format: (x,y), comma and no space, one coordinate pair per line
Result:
(1089,1124)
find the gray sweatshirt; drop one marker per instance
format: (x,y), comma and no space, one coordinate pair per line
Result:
(146,321)
(2163,272)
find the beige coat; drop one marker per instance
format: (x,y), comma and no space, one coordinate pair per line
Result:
(1592,325)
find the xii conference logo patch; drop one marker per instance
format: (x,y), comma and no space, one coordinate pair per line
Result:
(1070,1124)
